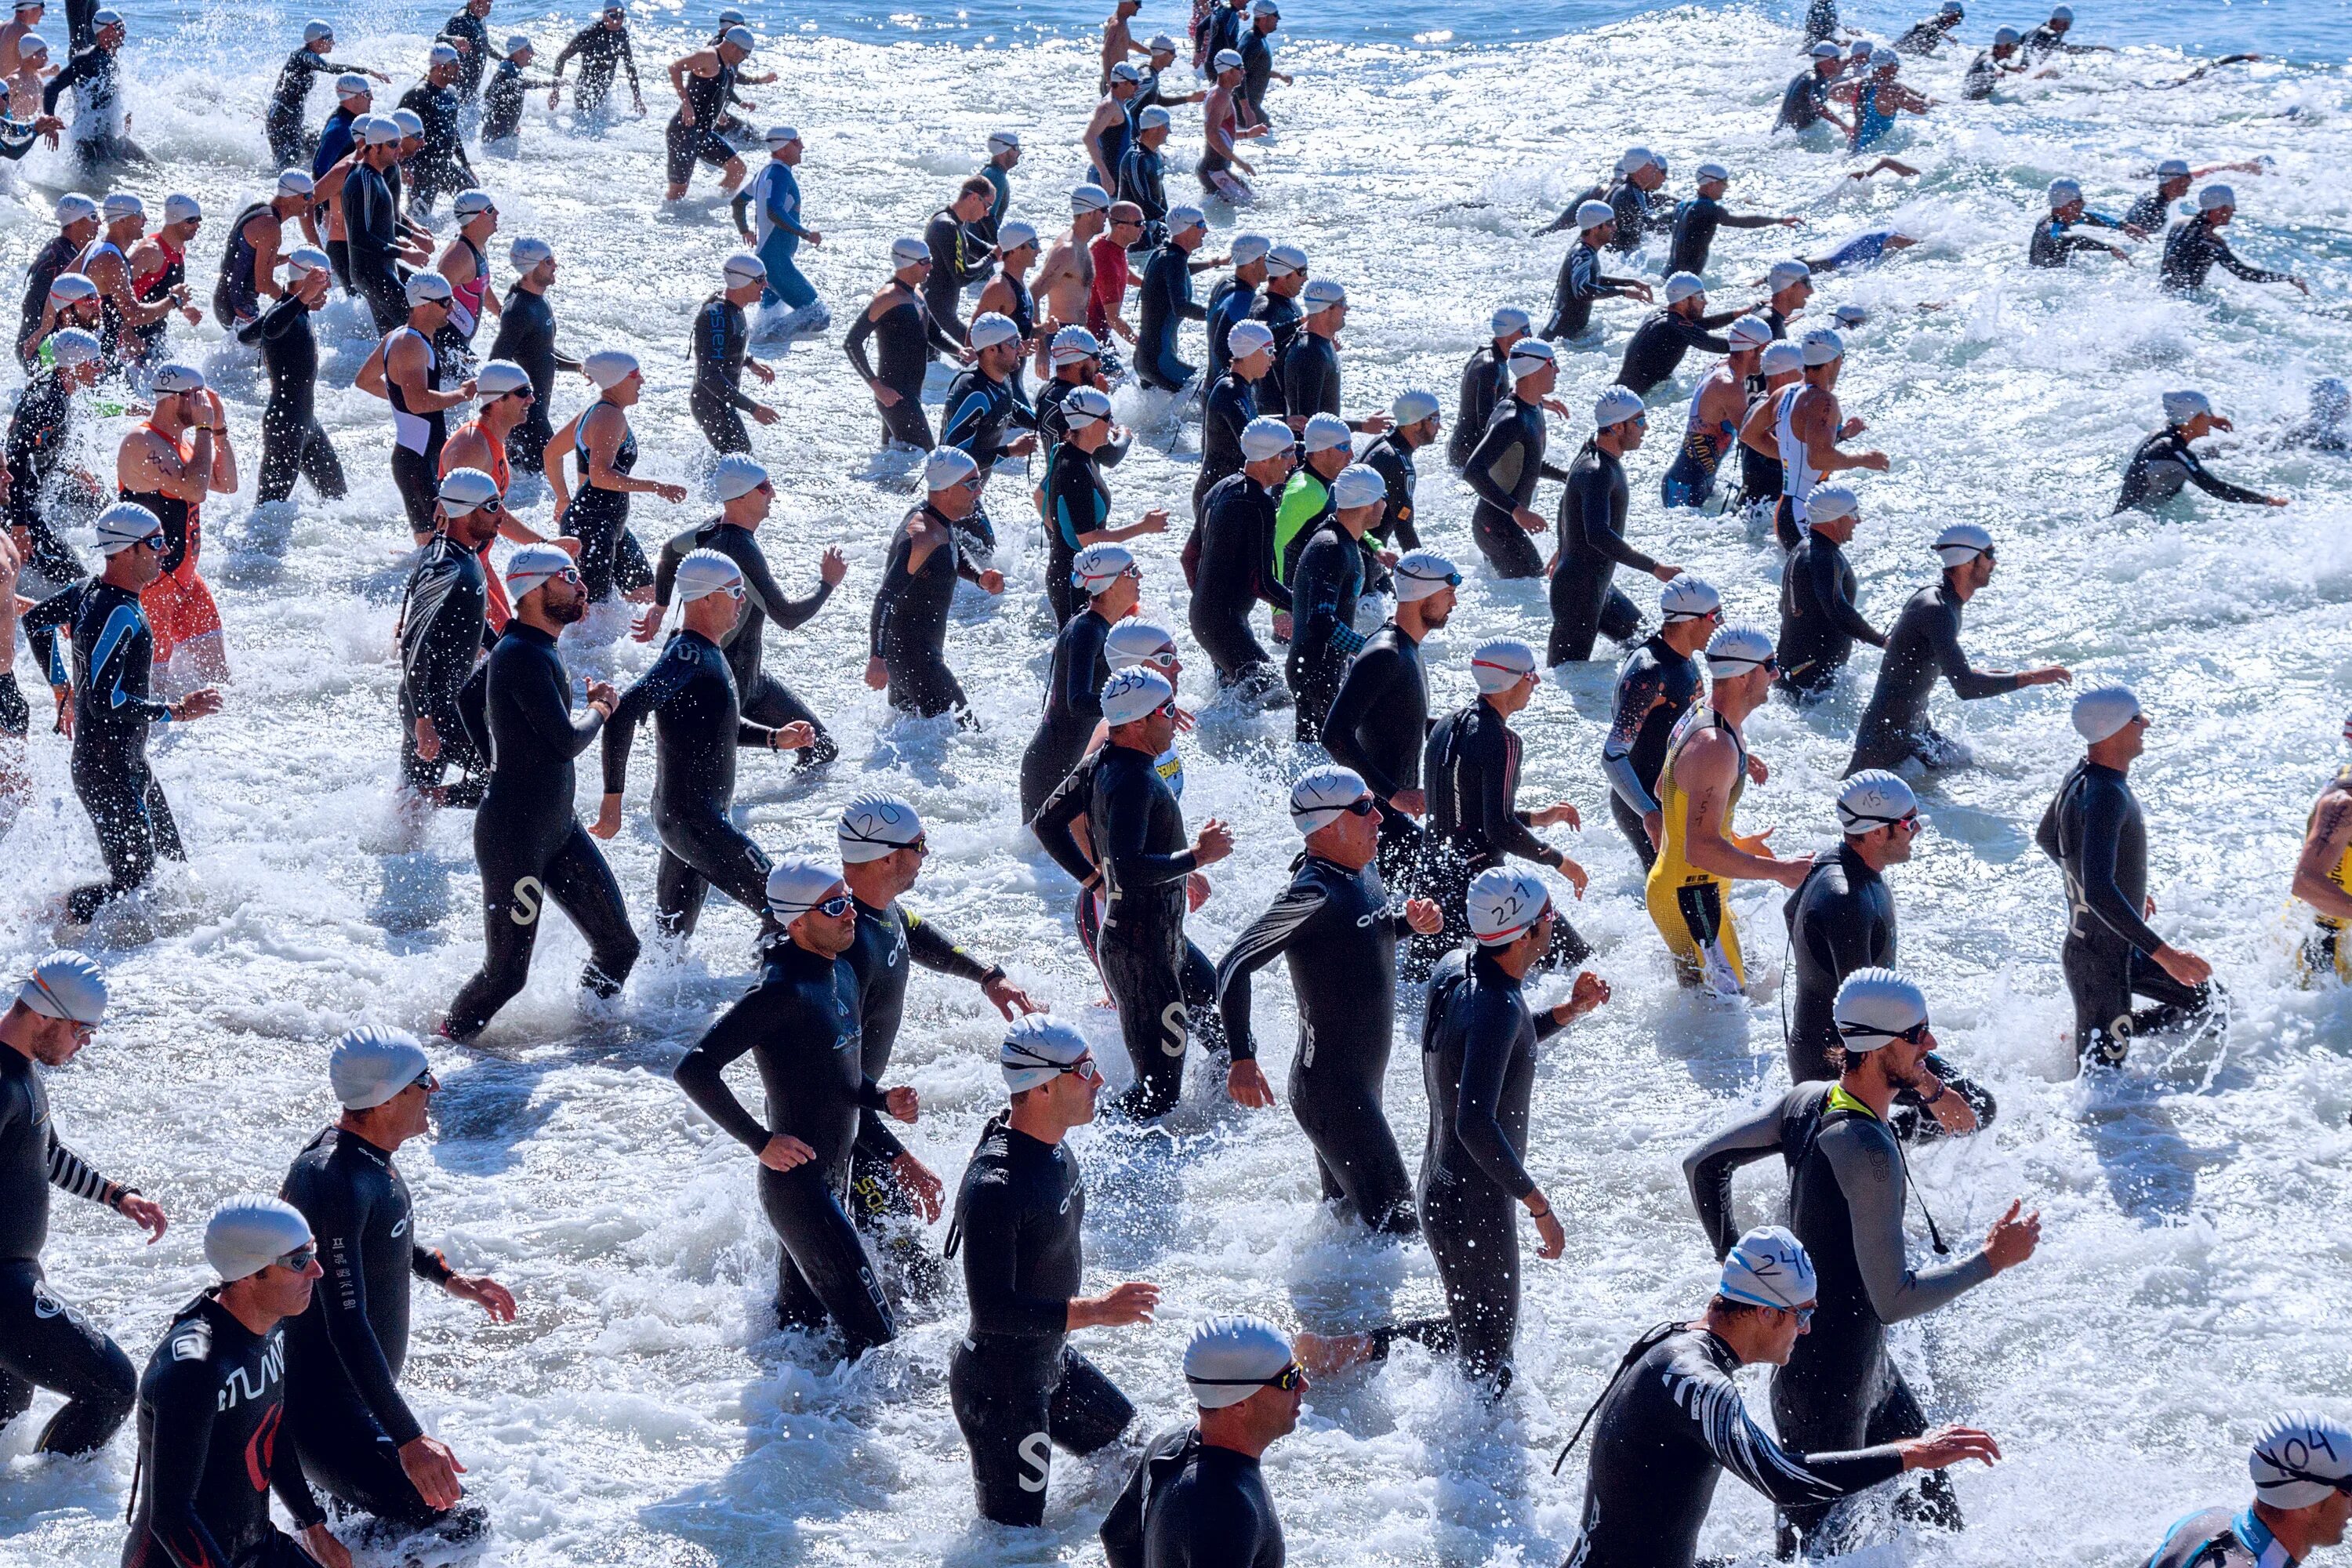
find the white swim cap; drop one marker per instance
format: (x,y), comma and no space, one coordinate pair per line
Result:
(1876,1006)
(781,135)
(2104,711)
(1249,247)
(1097,566)
(1962,543)
(1265,437)
(2213,196)
(246,1234)
(1321,796)
(737,476)
(528,252)
(1265,8)
(1231,1357)
(1326,433)
(907,251)
(1824,50)
(1823,346)
(1125,71)
(178,376)
(350,84)
(1529,355)
(497,378)
(743,269)
(1321,295)
(1874,798)
(466,490)
(1284,260)
(1412,405)
(1785,273)
(1153,118)
(295,183)
(1768,1267)
(609,367)
(124,524)
(1883,58)
(1635,159)
(1084,405)
(1749,333)
(74,346)
(1183,218)
(179,207)
(370,1066)
(72,288)
(1136,692)
(1689,598)
(1500,663)
(740,37)
(876,825)
(75,208)
(1505,904)
(1507,318)
(411,123)
(1072,345)
(2063,192)
(1135,641)
(518,42)
(2062,13)
(439,56)
(1161,44)
(2180,408)
(1615,405)
(798,885)
(1711,173)
(947,468)
(105,18)
(1735,650)
(532,564)
(1036,1050)
(426,288)
(312,30)
(1358,484)
(2173,169)
(1422,573)
(1593,215)
(65,986)
(376,130)
(1780,357)
(2007,37)
(703,572)
(1682,286)
(1830,502)
(1246,337)
(2299,1459)
(1014,236)
(32,46)
(1849,316)
(122,204)
(1226,60)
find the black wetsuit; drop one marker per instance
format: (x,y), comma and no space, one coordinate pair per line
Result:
(1819,622)
(1581,282)
(529,844)
(1074,683)
(1142,180)
(40,428)
(1473,768)
(1501,470)
(291,145)
(1656,350)
(464,26)
(1656,687)
(1635,217)
(959,256)
(1478,1069)
(2149,212)
(1696,222)
(690,694)
(442,620)
(372,221)
(800,1025)
(908,629)
(1310,376)
(1668,1426)
(57,257)
(1078,502)
(685,145)
(526,338)
(1926,37)
(978,412)
(293,442)
(2220,1538)
(2164,464)
(2051,244)
(1280,315)
(1340,937)
(1257,51)
(343,1356)
(1013,1381)
(722,340)
(1324,588)
(440,167)
(1167,303)
(113,659)
(2195,247)
(1156,978)
(1230,303)
(94,75)
(237,295)
(210,1404)
(907,338)
(1584,601)
(503,103)
(44,1342)
(1486,382)
(1190,1504)
(335,141)
(760,696)
(603,51)
(1984,74)
(1800,105)
(1923,643)
(611,560)
(1390,458)
(2094,831)
(1378,725)
(1236,561)
(1230,405)
(1847,1183)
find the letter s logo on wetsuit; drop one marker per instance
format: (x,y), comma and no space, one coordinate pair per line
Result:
(527,894)
(1178,1026)
(1036,1450)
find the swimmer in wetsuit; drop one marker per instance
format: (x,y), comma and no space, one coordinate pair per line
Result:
(1508,458)
(1330,576)
(248,272)
(439,167)
(1925,36)
(1696,220)
(527,338)
(531,848)
(1325,447)
(1334,926)
(1077,517)
(603,46)
(2302,1468)
(40,429)
(982,404)
(1310,365)
(2322,877)
(907,338)
(962,251)
(1237,560)
(1706,768)
(2164,463)
(1581,281)
(722,351)
(2094,831)
(1111,583)
(357,1439)
(1167,303)
(1197,1494)
(1486,382)
(906,637)
(704,80)
(1378,722)
(1230,405)
(78,224)
(1801,426)
(1672,1420)
(2173,178)
(690,694)
(442,615)
(1414,424)
(502,99)
(291,145)
(1592,545)
(1718,406)
(2195,246)
(405,370)
(1657,685)
(2053,245)
(1847,1185)
(604,449)
(1016,1385)
(1924,644)
(1276,310)
(800,1025)
(1806,101)
(1819,622)
(1142,178)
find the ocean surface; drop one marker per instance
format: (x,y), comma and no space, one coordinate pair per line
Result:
(2194,1275)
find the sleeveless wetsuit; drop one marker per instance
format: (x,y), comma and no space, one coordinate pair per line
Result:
(1689,904)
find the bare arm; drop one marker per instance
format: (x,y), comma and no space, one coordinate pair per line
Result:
(1707,769)
(2323,847)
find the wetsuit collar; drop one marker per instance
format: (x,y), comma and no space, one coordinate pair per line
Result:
(1403,635)
(689,632)
(2268,1552)
(1840,1100)
(345,1137)
(518,628)
(1857,870)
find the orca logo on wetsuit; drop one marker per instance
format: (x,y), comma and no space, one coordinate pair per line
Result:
(1036,1450)
(1179,1027)
(528,895)
(48,1306)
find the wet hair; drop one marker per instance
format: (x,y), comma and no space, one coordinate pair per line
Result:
(977,185)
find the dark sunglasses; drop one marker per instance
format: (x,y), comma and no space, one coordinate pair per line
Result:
(1915,1034)
(156,542)
(1362,805)
(1287,1379)
(833,908)
(299,1259)
(426,1079)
